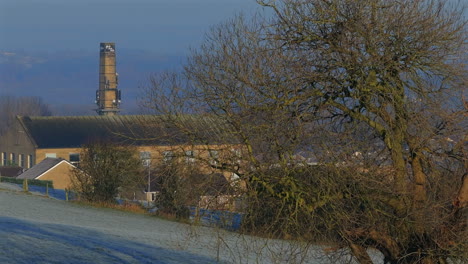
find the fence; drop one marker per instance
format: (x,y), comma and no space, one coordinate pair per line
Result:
(216,218)
(39,186)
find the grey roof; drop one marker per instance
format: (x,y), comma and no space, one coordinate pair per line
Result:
(75,131)
(10,171)
(43,166)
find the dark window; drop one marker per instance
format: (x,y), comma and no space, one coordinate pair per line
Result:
(74,158)
(214,154)
(190,156)
(30,161)
(168,155)
(214,157)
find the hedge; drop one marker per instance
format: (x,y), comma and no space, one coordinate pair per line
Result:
(30,182)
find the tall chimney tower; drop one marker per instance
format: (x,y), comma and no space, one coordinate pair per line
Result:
(108,96)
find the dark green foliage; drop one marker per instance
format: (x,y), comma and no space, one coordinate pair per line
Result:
(106,169)
(182,185)
(333,205)
(30,182)
(177,189)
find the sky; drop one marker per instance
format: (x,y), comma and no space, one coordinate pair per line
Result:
(161,26)
(50,48)
(166,27)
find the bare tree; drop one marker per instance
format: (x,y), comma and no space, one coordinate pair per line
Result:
(369,88)
(11,106)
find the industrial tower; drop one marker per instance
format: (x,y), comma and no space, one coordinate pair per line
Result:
(108,96)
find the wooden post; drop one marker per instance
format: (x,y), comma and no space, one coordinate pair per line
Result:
(25,185)
(66,195)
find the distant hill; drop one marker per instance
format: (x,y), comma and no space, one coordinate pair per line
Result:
(67,80)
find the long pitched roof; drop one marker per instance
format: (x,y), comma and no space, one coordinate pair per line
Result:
(75,131)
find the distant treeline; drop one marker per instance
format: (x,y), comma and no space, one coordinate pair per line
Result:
(11,106)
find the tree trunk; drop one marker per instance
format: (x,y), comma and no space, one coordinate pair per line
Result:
(400,167)
(461,201)
(360,253)
(419,192)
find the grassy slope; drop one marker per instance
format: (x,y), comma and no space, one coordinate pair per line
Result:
(36,229)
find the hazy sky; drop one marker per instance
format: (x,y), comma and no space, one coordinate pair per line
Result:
(161,26)
(150,35)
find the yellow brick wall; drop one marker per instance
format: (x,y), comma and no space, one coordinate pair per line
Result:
(202,152)
(59,175)
(63,153)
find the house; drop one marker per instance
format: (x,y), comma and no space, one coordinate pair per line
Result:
(37,143)
(56,170)
(32,140)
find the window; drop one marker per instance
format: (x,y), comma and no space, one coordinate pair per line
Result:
(168,155)
(237,152)
(51,155)
(74,158)
(214,157)
(236,155)
(4,159)
(21,160)
(214,154)
(145,157)
(30,161)
(190,156)
(13,159)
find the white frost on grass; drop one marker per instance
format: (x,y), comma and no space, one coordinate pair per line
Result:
(30,242)
(35,229)
(10,186)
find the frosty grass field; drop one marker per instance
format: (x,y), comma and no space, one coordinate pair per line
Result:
(37,229)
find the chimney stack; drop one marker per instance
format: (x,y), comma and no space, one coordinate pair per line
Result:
(108,96)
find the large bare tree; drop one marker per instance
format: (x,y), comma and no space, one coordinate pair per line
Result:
(371,89)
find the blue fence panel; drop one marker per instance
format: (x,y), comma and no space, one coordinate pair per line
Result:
(55,193)
(223,219)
